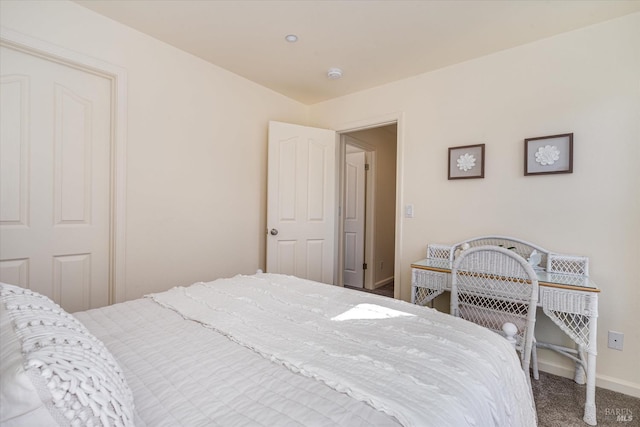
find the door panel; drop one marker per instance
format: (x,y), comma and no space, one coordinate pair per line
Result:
(354,219)
(15,271)
(55,148)
(72,281)
(14,181)
(301,201)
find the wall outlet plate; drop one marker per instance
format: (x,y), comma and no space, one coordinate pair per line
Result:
(616,340)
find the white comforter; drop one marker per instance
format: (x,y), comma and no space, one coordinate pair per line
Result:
(420,366)
(182,374)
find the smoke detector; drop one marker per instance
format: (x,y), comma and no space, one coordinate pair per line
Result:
(334,73)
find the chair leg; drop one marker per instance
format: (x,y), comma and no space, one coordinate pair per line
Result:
(534,361)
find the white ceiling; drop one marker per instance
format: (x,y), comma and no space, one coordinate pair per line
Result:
(373,42)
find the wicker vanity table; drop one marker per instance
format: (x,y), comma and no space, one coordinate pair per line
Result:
(569,300)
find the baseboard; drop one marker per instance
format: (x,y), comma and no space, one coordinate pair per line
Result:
(383,282)
(604,381)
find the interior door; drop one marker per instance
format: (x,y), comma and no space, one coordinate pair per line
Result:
(354,219)
(301,201)
(55,144)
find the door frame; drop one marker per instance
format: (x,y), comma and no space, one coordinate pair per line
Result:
(118,78)
(368,123)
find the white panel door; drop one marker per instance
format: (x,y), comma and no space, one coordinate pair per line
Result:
(55,138)
(301,201)
(354,219)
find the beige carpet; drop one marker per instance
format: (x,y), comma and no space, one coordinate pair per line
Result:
(386,290)
(560,403)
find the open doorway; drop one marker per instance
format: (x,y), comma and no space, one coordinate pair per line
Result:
(368,223)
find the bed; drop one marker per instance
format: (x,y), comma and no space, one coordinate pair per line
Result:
(259,350)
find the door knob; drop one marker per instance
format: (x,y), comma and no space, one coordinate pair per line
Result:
(274,232)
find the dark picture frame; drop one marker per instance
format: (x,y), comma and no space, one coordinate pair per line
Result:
(546,155)
(466,162)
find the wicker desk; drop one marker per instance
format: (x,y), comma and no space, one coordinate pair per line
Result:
(570,301)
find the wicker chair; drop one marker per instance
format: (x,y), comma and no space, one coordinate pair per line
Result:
(492,286)
(525,250)
(521,247)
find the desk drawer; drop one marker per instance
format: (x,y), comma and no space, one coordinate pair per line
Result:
(426,285)
(569,301)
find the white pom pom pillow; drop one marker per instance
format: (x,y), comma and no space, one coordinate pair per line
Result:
(53,371)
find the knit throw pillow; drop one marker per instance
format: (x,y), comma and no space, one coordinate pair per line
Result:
(54,371)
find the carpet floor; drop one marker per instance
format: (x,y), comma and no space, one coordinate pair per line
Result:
(560,403)
(386,290)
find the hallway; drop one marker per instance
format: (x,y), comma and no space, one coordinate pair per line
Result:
(386,290)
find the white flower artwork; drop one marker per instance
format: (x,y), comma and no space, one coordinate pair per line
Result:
(547,155)
(466,162)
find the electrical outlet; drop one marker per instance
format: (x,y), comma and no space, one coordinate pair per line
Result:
(616,340)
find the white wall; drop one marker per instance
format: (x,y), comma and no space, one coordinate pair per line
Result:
(196,149)
(586,82)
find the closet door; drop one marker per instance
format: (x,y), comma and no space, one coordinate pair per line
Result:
(55,148)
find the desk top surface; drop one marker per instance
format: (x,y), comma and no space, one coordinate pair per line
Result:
(568,281)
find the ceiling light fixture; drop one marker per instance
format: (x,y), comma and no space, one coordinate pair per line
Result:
(291,38)
(334,73)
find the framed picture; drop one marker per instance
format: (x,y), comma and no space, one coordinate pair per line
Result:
(466,161)
(548,154)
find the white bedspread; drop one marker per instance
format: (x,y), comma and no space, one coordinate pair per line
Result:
(184,374)
(422,367)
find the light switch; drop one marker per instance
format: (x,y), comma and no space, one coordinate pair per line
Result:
(408,211)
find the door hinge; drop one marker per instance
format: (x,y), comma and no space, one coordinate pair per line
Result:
(366,166)
(364,266)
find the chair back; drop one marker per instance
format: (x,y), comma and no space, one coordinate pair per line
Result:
(521,247)
(492,285)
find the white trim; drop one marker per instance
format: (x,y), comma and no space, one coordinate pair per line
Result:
(364,146)
(604,381)
(370,219)
(118,76)
(369,123)
(383,282)
(373,122)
